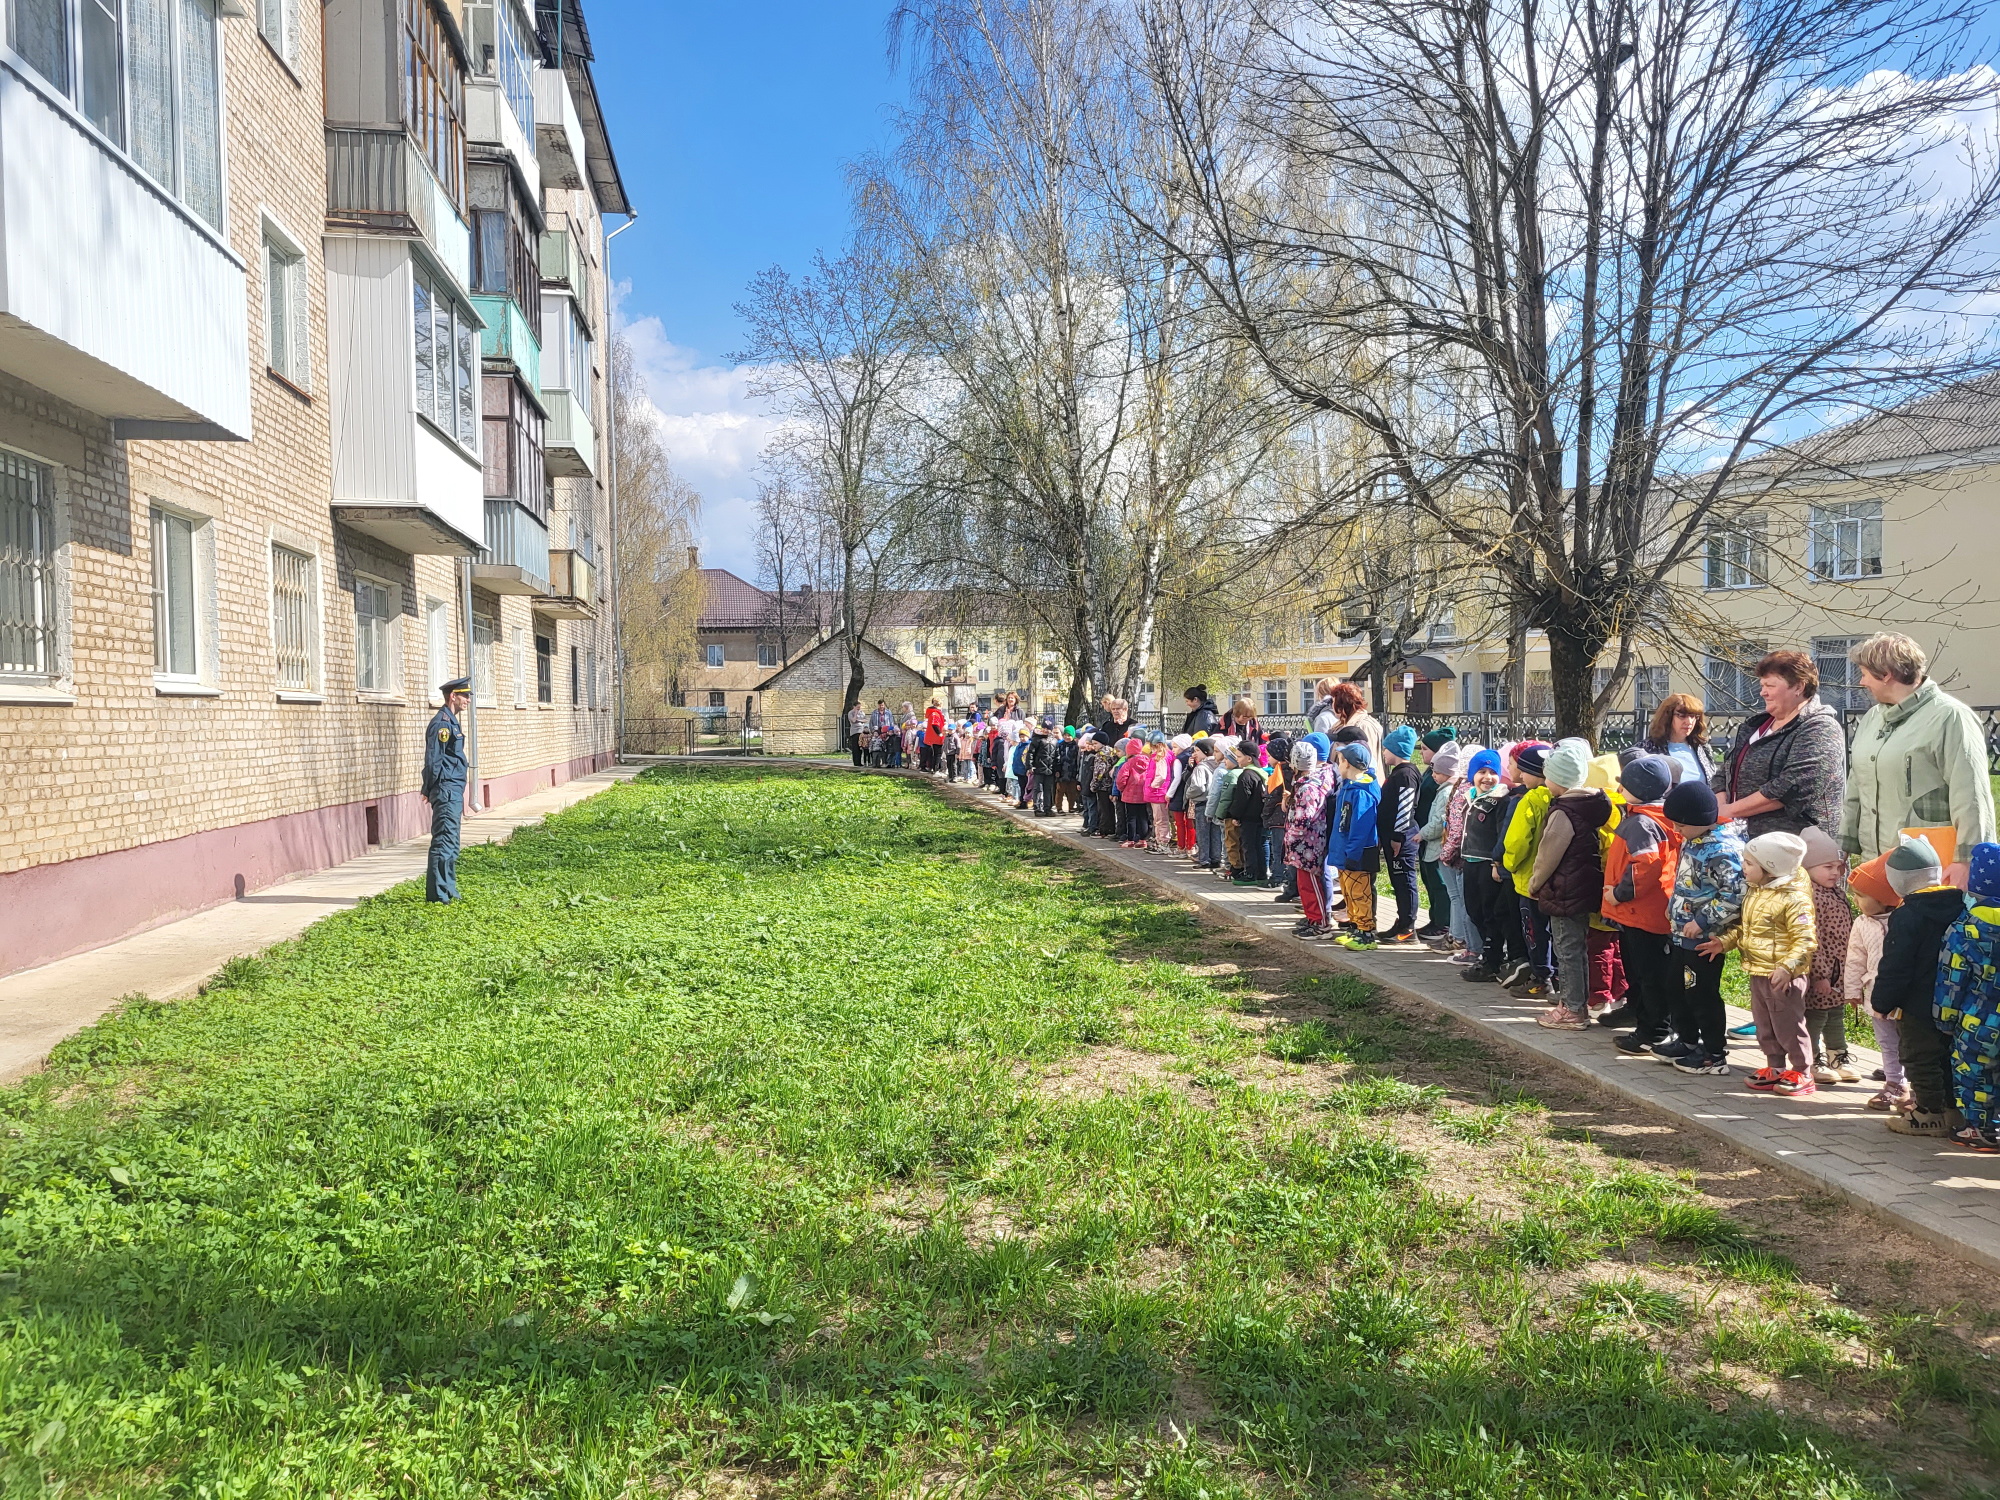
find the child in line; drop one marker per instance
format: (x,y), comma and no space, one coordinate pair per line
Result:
(1968,1001)
(1826,992)
(1277,790)
(1529,807)
(1305,834)
(1776,936)
(1639,872)
(1218,809)
(1489,896)
(1444,890)
(1873,894)
(1566,879)
(1246,806)
(1135,776)
(1353,845)
(1707,902)
(1467,943)
(1906,985)
(1396,829)
(1201,778)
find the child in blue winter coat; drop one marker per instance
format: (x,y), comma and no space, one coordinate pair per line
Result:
(1968,1002)
(1353,844)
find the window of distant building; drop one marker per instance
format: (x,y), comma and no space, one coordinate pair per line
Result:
(1735,556)
(1846,540)
(712,655)
(767,654)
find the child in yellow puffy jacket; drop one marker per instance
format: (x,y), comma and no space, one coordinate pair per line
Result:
(1776,936)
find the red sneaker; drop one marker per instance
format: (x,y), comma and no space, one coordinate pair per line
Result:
(1795,1085)
(1763,1080)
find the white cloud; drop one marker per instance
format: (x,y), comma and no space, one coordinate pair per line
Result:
(714,431)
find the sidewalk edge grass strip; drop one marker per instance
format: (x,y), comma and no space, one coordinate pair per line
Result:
(764,1133)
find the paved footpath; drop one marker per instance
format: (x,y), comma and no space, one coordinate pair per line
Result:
(1946,1195)
(39,1007)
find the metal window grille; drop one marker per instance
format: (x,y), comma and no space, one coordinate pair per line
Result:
(1839,679)
(27,569)
(485,631)
(294,620)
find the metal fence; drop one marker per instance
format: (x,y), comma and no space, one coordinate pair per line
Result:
(731,734)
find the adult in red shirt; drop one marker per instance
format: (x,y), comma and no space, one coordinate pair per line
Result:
(933,736)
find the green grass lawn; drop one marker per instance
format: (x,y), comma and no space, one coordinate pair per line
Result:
(766,1133)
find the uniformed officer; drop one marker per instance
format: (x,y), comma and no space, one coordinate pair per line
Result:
(444,788)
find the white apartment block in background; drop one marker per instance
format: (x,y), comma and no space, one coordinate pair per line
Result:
(302,406)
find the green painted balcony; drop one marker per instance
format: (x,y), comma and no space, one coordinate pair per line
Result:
(508,337)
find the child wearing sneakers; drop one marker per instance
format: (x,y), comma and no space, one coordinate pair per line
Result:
(1776,937)
(1706,902)
(1826,994)
(1968,1001)
(1857,975)
(1639,870)
(1528,808)
(1567,878)
(1906,985)
(1353,845)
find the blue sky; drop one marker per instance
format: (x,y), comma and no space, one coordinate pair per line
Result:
(733,126)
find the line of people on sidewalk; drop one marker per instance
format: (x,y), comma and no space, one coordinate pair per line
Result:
(1614,885)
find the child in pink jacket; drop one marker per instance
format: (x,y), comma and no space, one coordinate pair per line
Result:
(1135,774)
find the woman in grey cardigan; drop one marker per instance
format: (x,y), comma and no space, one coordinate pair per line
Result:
(1786,769)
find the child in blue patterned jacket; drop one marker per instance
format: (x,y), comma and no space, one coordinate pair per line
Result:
(1706,905)
(1968,1002)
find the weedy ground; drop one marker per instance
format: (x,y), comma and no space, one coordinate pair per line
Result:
(751,1134)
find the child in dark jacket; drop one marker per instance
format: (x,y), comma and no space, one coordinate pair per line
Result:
(1567,879)
(1246,806)
(1906,984)
(1396,828)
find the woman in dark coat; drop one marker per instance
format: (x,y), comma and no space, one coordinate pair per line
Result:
(1201,714)
(1786,770)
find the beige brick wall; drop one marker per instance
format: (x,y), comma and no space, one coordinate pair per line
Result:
(125,765)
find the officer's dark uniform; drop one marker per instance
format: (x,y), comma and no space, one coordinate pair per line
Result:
(444,787)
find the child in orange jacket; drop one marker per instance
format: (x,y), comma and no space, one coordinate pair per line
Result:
(1638,878)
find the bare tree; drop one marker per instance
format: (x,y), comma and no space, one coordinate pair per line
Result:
(792,556)
(659,588)
(834,354)
(1097,430)
(1572,267)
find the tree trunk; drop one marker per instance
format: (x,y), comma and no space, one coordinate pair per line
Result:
(1572,660)
(1378,676)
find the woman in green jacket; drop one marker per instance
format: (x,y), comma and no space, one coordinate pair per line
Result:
(1918,759)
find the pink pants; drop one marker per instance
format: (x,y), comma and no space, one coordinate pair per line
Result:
(1780,1015)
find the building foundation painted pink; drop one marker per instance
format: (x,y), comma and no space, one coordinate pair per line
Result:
(49,912)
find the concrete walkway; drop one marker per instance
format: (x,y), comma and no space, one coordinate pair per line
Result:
(1946,1195)
(39,1007)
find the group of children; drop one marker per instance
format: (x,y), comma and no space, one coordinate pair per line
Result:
(1605,884)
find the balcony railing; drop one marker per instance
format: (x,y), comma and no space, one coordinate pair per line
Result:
(562,263)
(516,552)
(572,584)
(376,180)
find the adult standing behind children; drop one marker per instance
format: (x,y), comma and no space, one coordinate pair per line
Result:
(1679,731)
(1352,711)
(1202,717)
(1786,770)
(1919,758)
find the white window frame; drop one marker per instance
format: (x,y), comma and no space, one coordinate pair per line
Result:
(1839,539)
(41,564)
(427,289)
(1277,695)
(278,24)
(437,648)
(315,662)
(713,656)
(199,680)
(389,645)
(1735,556)
(519,640)
(767,654)
(286,297)
(485,636)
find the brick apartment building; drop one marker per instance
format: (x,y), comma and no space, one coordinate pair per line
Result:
(302,320)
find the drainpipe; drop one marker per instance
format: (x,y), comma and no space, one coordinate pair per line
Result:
(472,703)
(611,506)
